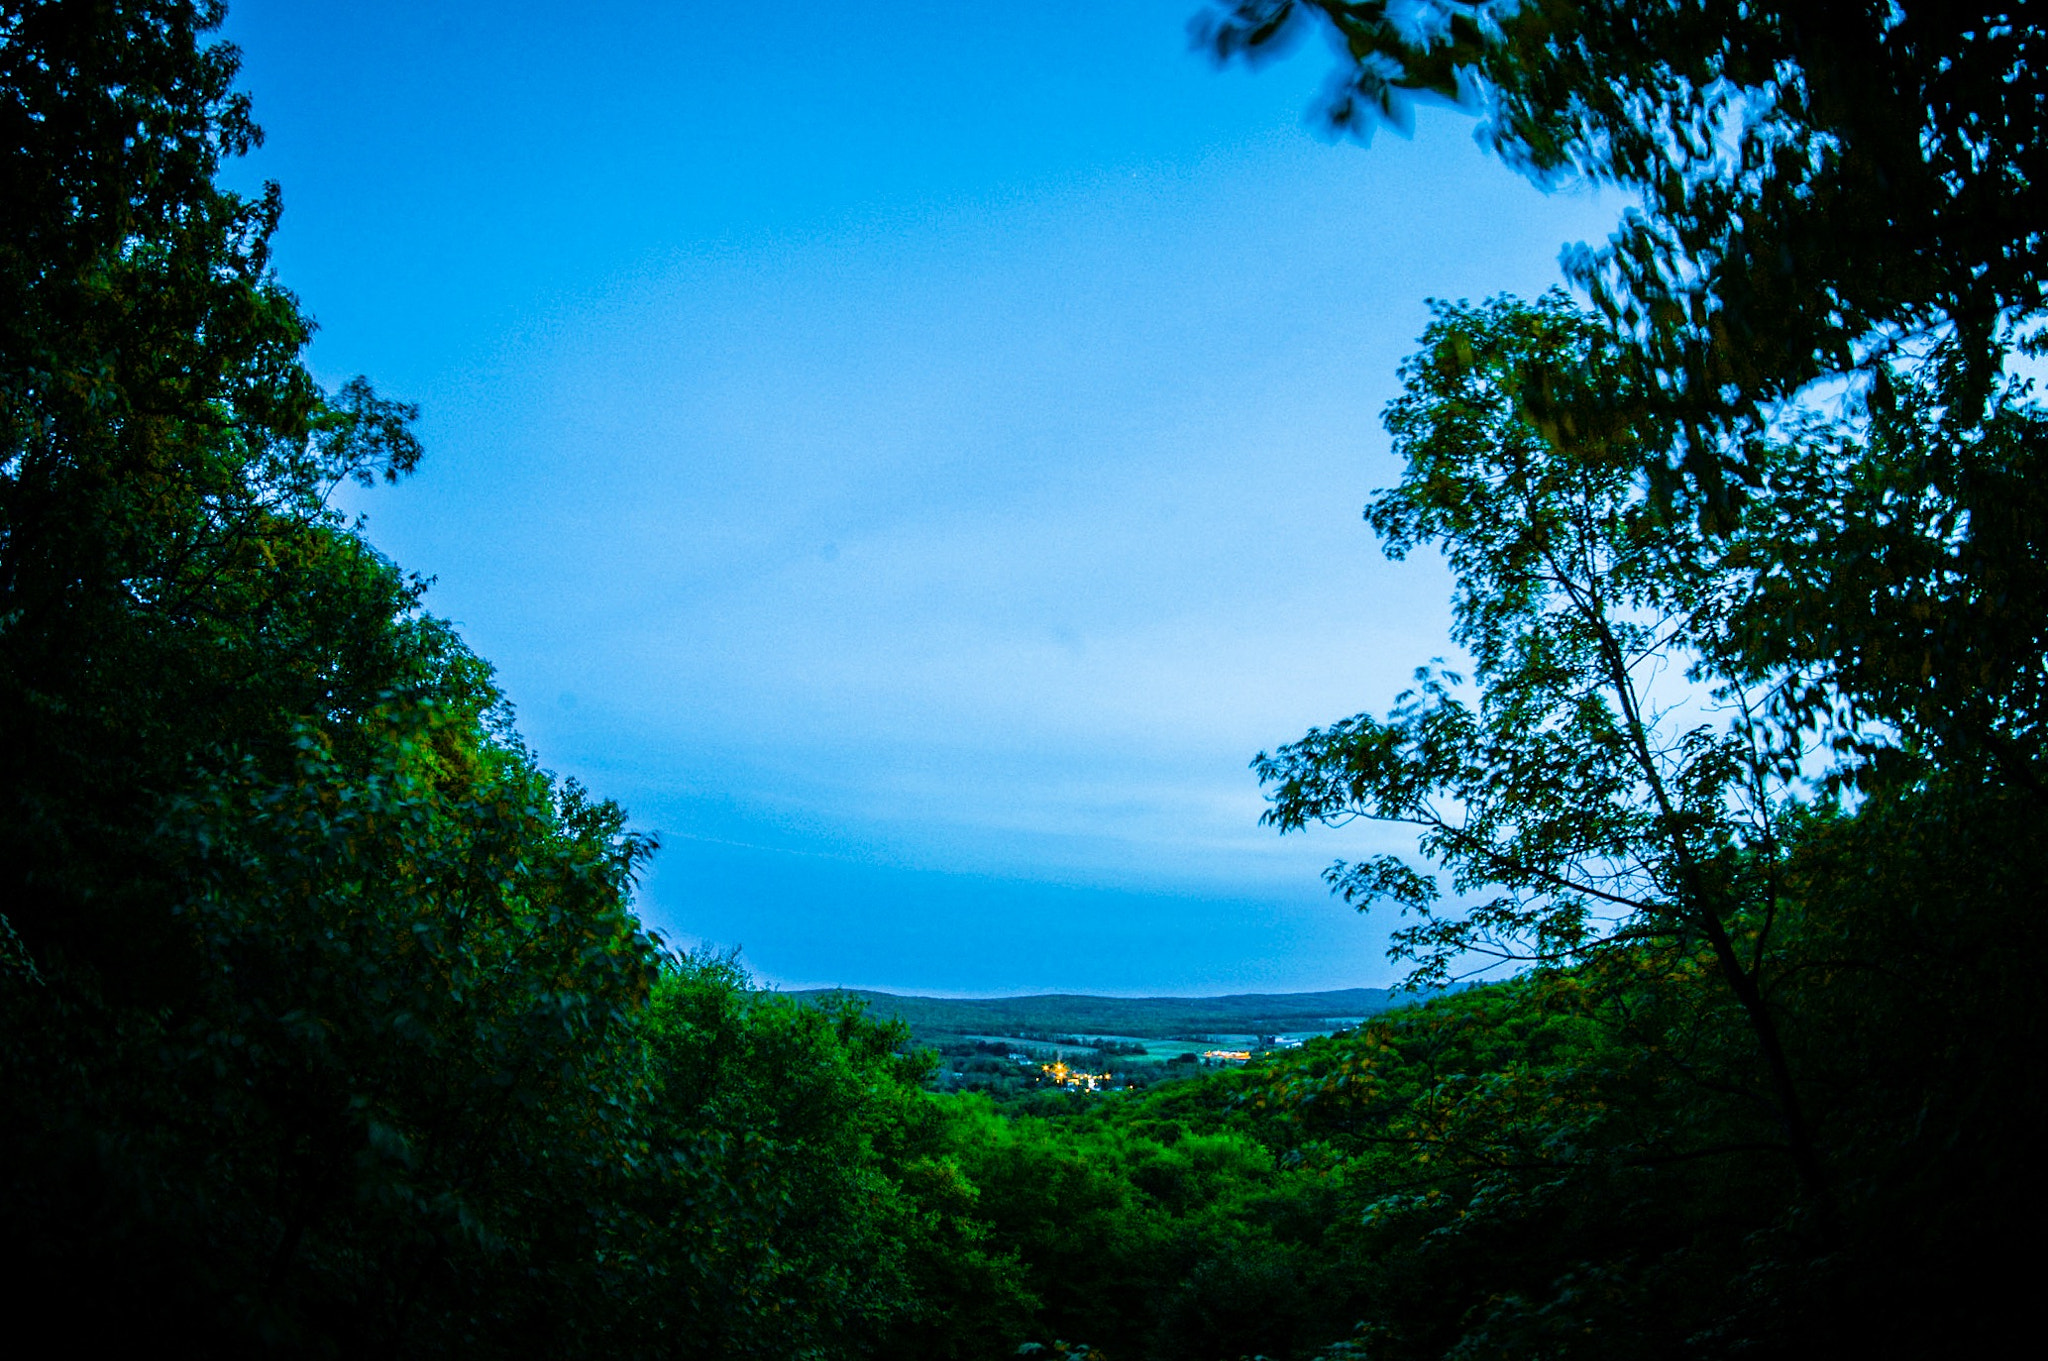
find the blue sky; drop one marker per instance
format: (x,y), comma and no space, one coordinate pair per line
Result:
(910,455)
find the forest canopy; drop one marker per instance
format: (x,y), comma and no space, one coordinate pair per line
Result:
(331,1029)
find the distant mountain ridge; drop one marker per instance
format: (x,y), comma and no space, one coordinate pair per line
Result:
(1139,1017)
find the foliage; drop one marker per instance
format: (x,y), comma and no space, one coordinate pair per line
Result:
(1821,182)
(1836,267)
(1612,811)
(800,1198)
(316,969)
(1150,1230)
(1748,570)
(330,1029)
(322,975)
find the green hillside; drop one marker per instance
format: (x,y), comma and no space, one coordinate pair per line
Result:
(1137,1017)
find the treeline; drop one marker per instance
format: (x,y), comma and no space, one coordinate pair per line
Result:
(1050,1016)
(1578,1163)
(329,1028)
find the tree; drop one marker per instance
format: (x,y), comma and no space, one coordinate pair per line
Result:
(1841,240)
(1593,782)
(330,1028)
(1787,458)
(844,1224)
(1821,180)
(173,584)
(315,985)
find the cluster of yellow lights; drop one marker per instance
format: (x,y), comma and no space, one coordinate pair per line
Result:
(1073,1077)
(1228,1055)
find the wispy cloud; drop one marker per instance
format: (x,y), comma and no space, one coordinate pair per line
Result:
(949,532)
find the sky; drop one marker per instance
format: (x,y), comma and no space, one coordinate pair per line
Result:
(911,456)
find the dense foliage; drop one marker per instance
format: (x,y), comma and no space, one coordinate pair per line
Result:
(1749,573)
(330,1030)
(312,976)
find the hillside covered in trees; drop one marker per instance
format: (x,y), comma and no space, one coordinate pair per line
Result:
(330,1029)
(1143,1017)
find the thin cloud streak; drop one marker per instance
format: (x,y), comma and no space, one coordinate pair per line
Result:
(925,510)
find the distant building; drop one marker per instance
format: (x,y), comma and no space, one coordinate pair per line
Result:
(1063,1076)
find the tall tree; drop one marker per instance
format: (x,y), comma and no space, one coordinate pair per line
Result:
(314,984)
(1787,457)
(1593,787)
(1841,238)
(165,460)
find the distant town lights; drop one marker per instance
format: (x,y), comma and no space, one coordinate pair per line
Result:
(1064,1076)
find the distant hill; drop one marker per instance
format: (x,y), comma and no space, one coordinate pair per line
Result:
(1142,1017)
